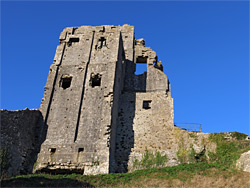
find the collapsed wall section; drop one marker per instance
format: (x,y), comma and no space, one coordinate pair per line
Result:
(146,115)
(145,123)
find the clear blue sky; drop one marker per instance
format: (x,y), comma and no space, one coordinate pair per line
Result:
(204,48)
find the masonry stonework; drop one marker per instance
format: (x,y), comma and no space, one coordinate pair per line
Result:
(97,116)
(98,112)
(22,132)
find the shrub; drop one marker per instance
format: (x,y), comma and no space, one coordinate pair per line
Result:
(4,161)
(228,151)
(95,162)
(212,156)
(150,160)
(217,137)
(182,155)
(238,136)
(191,155)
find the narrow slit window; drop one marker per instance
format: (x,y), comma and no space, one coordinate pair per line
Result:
(65,81)
(146,104)
(74,39)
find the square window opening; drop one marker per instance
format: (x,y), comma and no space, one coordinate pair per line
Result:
(65,81)
(146,104)
(95,80)
(52,150)
(80,150)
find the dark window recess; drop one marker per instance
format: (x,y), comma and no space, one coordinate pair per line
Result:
(141,59)
(74,39)
(80,150)
(146,104)
(101,43)
(65,81)
(95,80)
(71,40)
(52,150)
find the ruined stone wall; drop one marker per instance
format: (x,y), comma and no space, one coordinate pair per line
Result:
(146,114)
(59,108)
(98,116)
(143,127)
(81,99)
(22,132)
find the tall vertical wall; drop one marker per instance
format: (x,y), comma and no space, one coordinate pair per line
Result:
(146,115)
(100,115)
(81,99)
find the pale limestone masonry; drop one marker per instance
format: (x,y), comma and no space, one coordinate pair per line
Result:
(100,115)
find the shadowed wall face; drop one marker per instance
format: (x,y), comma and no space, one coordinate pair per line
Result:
(146,113)
(22,133)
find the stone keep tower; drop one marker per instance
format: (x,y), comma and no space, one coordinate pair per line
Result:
(100,115)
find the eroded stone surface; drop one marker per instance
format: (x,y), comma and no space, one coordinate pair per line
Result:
(98,112)
(243,162)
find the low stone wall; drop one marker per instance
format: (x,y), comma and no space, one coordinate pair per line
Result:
(22,132)
(177,145)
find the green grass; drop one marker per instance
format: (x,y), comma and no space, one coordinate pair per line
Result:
(228,151)
(238,136)
(183,172)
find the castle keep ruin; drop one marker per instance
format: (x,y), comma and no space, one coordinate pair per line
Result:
(99,114)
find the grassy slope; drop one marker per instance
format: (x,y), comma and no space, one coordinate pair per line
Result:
(188,175)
